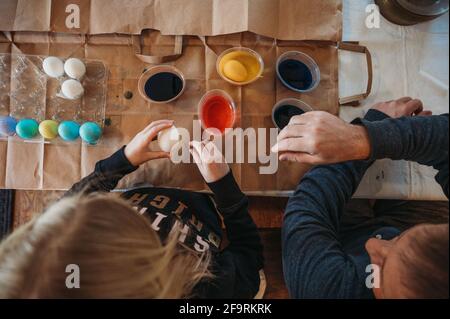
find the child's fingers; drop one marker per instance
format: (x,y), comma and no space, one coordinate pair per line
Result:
(195,153)
(157,155)
(197,146)
(156,123)
(150,134)
(212,154)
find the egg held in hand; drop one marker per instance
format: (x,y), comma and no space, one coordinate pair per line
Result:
(27,128)
(168,138)
(48,129)
(69,130)
(90,132)
(7,126)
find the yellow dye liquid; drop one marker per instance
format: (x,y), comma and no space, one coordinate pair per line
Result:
(240,66)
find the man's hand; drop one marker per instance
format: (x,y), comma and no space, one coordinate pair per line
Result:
(138,150)
(321,138)
(405,106)
(210,161)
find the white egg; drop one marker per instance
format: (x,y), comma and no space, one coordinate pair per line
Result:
(168,138)
(75,68)
(53,67)
(72,89)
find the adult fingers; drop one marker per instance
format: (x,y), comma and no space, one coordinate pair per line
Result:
(291,145)
(297,157)
(413,107)
(405,99)
(300,119)
(293,130)
(425,113)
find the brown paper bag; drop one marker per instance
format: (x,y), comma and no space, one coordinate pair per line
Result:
(281,19)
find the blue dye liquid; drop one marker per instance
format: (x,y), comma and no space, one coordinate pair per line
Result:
(284,113)
(296,74)
(163,86)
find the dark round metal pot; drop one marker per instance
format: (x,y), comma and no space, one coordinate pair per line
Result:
(410,12)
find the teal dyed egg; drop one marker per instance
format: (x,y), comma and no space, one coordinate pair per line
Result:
(7,126)
(69,130)
(90,132)
(27,128)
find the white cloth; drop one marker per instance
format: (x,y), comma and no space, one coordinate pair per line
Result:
(408,61)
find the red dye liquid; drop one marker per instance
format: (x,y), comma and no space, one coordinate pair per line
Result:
(217,112)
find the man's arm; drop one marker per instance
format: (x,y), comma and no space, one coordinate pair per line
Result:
(420,139)
(315,266)
(314,262)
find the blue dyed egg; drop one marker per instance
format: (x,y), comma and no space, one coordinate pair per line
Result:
(90,132)
(27,128)
(69,130)
(7,126)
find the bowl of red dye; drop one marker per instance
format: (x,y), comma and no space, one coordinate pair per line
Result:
(217,110)
(161,84)
(285,109)
(298,71)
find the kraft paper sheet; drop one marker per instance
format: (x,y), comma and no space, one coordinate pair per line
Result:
(107,34)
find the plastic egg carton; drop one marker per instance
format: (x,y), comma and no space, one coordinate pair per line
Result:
(26,91)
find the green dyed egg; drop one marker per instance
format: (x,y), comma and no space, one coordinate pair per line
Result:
(27,128)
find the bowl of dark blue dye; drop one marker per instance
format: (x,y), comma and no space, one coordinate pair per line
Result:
(298,71)
(161,84)
(285,109)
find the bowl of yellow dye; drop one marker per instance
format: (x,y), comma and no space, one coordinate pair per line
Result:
(240,66)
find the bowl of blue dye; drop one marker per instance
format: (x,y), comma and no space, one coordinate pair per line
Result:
(161,84)
(285,109)
(298,71)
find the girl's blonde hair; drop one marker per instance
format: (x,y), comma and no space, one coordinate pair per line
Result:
(117,252)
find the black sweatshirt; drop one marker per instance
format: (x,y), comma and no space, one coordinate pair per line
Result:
(317,262)
(236,267)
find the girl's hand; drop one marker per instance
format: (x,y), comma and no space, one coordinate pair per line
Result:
(210,161)
(138,150)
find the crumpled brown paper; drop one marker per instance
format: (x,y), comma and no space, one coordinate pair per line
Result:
(281,19)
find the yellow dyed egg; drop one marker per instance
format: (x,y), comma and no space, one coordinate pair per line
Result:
(240,66)
(48,129)
(235,71)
